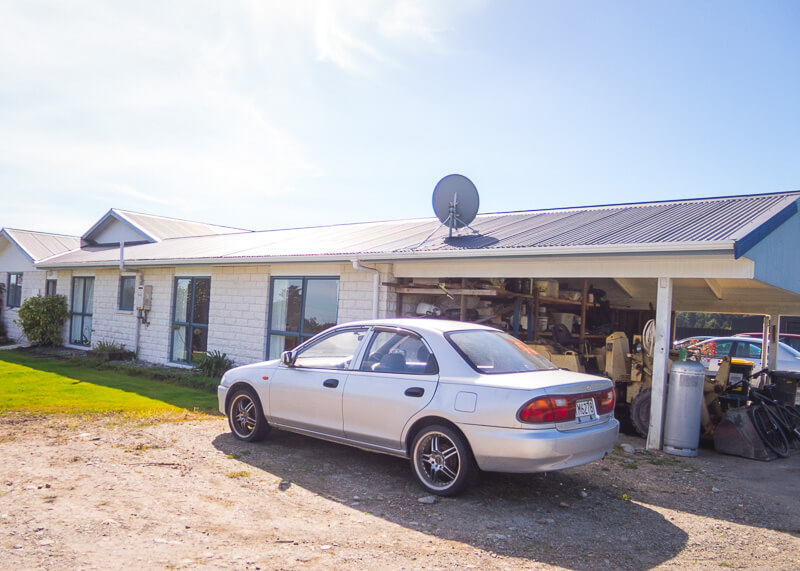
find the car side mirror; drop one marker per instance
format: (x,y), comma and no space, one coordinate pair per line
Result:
(287,358)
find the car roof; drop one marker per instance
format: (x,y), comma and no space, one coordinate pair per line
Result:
(421,324)
(756,334)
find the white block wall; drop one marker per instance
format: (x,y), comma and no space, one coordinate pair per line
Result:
(238,312)
(154,336)
(356,291)
(109,324)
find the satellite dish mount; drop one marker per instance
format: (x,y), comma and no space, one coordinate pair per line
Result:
(455,202)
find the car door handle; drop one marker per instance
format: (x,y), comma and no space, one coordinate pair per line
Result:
(331,383)
(415,392)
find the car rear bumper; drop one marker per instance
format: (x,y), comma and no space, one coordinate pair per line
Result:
(528,450)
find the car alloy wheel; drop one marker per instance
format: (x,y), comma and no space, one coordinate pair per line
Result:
(246,417)
(441,460)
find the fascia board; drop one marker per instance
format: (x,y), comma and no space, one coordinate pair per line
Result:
(763,227)
(121,218)
(390,257)
(11,239)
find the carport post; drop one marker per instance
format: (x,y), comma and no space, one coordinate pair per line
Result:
(772,324)
(655,434)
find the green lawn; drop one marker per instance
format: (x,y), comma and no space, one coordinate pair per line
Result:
(42,385)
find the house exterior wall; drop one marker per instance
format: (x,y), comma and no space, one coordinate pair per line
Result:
(12,260)
(238,311)
(154,335)
(109,324)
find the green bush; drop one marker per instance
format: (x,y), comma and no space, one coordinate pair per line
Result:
(112,351)
(43,318)
(212,363)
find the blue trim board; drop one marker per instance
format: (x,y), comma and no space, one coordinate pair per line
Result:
(744,244)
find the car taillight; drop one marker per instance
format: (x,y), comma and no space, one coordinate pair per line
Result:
(605,401)
(561,408)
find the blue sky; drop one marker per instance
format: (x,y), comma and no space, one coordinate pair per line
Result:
(273,114)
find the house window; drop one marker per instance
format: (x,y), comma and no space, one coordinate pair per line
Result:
(127,287)
(50,287)
(300,308)
(81,311)
(190,318)
(14,290)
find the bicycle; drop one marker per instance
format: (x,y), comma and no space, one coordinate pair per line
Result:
(777,424)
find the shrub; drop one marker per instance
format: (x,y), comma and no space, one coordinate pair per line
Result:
(42,319)
(112,351)
(213,363)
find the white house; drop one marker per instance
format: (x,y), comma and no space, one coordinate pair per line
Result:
(19,251)
(168,289)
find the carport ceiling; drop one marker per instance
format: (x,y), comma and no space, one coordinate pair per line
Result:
(710,295)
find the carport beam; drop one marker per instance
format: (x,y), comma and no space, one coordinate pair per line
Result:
(655,435)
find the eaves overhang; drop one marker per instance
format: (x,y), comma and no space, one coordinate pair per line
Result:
(388,257)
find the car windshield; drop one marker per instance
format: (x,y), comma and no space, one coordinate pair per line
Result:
(495,352)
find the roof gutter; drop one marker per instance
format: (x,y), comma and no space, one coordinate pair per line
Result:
(375,284)
(696,247)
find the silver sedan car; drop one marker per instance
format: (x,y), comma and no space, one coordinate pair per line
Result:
(452,397)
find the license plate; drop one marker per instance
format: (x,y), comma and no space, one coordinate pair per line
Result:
(584,410)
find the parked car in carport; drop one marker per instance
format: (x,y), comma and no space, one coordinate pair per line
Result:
(711,351)
(452,397)
(791,339)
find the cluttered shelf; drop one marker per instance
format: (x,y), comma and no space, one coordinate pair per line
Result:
(576,337)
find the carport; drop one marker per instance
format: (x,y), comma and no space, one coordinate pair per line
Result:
(722,255)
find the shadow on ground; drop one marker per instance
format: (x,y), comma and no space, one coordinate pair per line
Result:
(559,518)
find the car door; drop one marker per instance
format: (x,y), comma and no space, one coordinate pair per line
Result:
(308,394)
(396,378)
(712,353)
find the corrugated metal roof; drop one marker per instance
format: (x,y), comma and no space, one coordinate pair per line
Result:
(164,228)
(41,245)
(710,223)
(157,228)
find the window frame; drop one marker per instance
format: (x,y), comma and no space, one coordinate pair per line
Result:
(190,312)
(15,301)
(300,335)
(357,354)
(122,280)
(50,282)
(376,331)
(83,313)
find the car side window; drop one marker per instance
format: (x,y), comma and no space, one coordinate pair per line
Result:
(399,352)
(722,349)
(749,350)
(336,351)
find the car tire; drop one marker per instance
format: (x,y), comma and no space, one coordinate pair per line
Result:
(246,417)
(640,412)
(442,461)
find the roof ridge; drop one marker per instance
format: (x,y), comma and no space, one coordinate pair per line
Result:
(123,211)
(40,232)
(648,203)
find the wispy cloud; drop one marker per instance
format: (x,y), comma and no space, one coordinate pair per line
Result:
(180,103)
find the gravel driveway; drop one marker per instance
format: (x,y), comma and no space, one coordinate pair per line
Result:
(107,493)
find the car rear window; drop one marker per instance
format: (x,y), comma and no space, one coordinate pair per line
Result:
(495,352)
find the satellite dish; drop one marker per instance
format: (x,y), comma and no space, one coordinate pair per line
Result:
(455,201)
